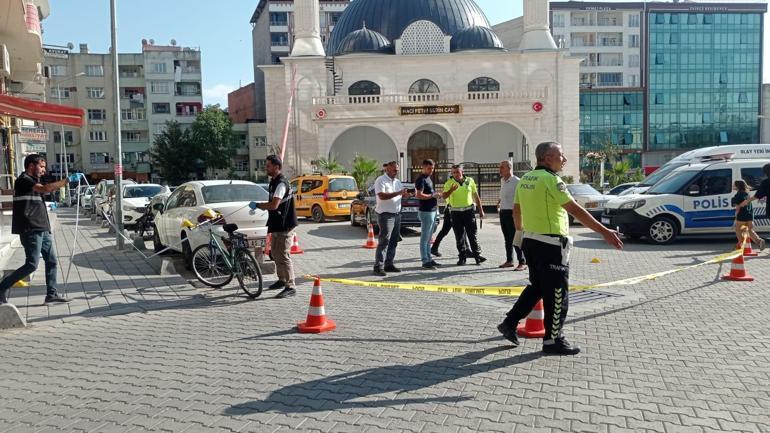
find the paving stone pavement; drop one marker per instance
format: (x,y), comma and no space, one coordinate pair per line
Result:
(683,353)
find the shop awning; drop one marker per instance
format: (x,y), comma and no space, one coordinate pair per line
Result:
(41,111)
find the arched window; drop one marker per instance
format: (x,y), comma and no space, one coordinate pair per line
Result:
(424,90)
(363,92)
(483,88)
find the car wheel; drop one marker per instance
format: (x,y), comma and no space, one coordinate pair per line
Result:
(156,244)
(186,253)
(663,230)
(318,214)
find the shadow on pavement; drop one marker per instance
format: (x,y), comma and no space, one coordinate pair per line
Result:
(272,336)
(346,390)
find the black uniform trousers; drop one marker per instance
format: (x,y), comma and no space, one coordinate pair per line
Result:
(549,281)
(464,224)
(509,232)
(446,227)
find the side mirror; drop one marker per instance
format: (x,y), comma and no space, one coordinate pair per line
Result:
(158,207)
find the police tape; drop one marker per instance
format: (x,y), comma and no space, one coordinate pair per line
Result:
(516,291)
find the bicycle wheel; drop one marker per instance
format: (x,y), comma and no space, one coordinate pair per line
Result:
(210,267)
(249,274)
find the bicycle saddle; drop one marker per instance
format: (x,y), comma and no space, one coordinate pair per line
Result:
(230,228)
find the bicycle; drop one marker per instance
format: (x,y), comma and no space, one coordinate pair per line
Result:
(216,265)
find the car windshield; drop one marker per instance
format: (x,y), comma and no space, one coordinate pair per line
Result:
(582,189)
(339,184)
(660,173)
(229,193)
(673,183)
(142,191)
(618,189)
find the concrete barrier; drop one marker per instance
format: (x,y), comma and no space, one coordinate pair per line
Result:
(10,317)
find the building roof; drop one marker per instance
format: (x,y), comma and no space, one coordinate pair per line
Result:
(391,17)
(476,38)
(691,6)
(364,41)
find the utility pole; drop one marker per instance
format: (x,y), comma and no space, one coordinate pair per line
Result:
(118,205)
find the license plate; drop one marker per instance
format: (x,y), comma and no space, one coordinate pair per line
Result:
(606,220)
(344,206)
(254,243)
(410,209)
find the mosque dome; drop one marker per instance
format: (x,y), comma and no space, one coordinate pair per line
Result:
(390,18)
(363,41)
(476,38)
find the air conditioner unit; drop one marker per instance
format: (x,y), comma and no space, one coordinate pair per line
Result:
(5,61)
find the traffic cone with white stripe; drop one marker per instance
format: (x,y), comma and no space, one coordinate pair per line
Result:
(295,248)
(317,321)
(748,251)
(738,271)
(268,244)
(534,326)
(370,243)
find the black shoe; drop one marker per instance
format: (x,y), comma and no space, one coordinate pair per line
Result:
(392,268)
(379,272)
(4,297)
(433,262)
(461,262)
(509,332)
(429,266)
(56,299)
(480,260)
(277,285)
(436,253)
(286,293)
(560,347)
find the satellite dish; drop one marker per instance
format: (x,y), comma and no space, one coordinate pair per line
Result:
(144,41)
(173,42)
(152,41)
(70,45)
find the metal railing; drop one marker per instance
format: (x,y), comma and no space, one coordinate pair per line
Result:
(394,99)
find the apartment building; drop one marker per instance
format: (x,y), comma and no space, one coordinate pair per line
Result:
(272,36)
(160,84)
(661,78)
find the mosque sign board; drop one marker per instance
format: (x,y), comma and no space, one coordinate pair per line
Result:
(430,110)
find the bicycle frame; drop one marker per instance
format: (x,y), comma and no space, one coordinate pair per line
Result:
(227,255)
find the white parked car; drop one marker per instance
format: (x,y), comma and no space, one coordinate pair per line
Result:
(102,197)
(592,200)
(190,200)
(86,199)
(136,198)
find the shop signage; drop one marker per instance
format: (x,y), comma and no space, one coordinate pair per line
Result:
(33,135)
(430,110)
(55,53)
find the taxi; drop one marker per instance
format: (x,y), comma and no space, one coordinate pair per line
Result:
(319,196)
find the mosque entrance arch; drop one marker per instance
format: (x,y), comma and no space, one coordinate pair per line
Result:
(427,142)
(364,140)
(494,141)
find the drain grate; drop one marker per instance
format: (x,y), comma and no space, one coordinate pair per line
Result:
(574,298)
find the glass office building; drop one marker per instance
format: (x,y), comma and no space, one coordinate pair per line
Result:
(615,117)
(704,79)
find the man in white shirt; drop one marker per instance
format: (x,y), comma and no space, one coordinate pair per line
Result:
(508,182)
(388,191)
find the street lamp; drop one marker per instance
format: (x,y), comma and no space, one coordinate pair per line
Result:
(62,156)
(118,147)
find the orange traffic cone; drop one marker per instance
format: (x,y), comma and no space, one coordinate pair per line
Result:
(295,248)
(738,271)
(370,243)
(316,315)
(748,251)
(534,326)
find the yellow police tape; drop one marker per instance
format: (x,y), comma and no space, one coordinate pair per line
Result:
(516,290)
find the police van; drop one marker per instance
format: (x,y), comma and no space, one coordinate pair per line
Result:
(739,151)
(692,199)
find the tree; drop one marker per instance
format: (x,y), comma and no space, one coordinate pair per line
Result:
(212,138)
(619,173)
(171,155)
(330,165)
(363,170)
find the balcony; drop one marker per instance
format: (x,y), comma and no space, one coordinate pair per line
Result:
(341,107)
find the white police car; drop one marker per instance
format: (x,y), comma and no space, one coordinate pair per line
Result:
(692,199)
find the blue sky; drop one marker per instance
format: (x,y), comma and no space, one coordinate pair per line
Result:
(221,29)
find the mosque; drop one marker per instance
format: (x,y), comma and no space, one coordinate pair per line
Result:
(407,80)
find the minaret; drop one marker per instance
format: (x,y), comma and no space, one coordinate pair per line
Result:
(307,29)
(537,32)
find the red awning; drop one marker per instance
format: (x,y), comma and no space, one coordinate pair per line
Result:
(41,111)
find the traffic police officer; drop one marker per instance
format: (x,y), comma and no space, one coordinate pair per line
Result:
(540,214)
(461,192)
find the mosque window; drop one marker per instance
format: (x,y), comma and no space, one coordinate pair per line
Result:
(362,92)
(424,90)
(484,84)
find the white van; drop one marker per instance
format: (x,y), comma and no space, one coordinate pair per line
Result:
(706,154)
(692,199)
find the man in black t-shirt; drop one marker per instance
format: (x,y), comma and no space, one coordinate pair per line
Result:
(30,222)
(426,193)
(763,192)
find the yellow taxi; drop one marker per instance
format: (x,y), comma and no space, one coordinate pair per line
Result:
(320,196)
